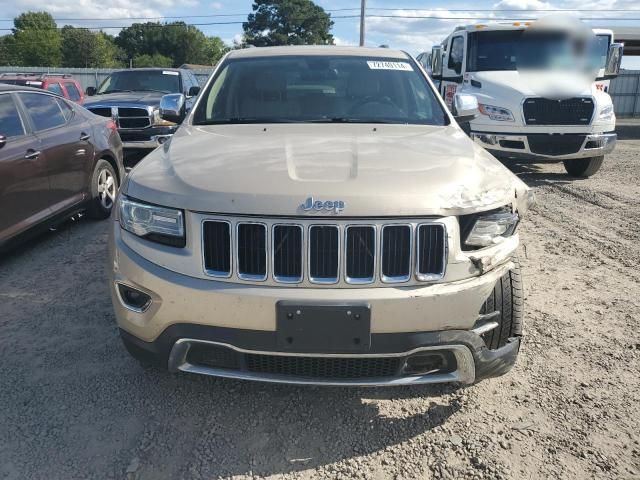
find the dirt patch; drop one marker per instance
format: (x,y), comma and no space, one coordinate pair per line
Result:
(74,405)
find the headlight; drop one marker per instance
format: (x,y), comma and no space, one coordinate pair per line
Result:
(496,113)
(158,224)
(158,121)
(606,113)
(490,228)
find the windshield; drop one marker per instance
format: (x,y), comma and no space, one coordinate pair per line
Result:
(165,81)
(319,89)
(510,49)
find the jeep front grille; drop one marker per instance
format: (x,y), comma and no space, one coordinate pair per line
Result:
(324,252)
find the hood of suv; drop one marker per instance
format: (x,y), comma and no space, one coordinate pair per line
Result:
(381,170)
(117,98)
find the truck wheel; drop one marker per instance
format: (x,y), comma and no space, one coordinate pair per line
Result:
(507,297)
(583,167)
(104,186)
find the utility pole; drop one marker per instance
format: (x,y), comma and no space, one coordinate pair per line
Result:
(363,8)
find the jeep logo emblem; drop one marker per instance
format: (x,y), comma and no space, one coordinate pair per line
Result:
(311,205)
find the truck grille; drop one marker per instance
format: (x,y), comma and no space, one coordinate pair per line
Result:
(355,254)
(125,117)
(573,111)
(555,144)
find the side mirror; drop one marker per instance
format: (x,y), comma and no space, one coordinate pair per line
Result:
(90,91)
(3,141)
(172,107)
(465,107)
(193,91)
(436,60)
(614,58)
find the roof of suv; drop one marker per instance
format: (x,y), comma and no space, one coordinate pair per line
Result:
(317,50)
(4,87)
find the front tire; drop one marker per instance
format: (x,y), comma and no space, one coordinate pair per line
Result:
(507,298)
(104,186)
(583,167)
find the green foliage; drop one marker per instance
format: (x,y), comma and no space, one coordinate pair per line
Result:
(155,60)
(8,52)
(177,41)
(37,40)
(287,22)
(84,48)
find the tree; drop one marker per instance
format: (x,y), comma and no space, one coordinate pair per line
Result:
(215,50)
(287,22)
(37,40)
(8,50)
(84,48)
(155,60)
(177,41)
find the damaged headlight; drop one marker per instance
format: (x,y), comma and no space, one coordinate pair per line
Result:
(486,229)
(158,121)
(158,224)
(498,114)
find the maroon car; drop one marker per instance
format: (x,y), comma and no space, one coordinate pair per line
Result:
(56,159)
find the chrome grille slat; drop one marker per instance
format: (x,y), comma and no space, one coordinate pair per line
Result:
(324,257)
(125,117)
(287,253)
(252,251)
(360,253)
(397,247)
(324,252)
(429,265)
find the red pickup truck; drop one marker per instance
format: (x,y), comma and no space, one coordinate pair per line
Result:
(58,83)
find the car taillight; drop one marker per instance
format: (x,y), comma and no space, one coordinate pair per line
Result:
(111,125)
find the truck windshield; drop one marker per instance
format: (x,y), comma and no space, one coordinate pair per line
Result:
(510,49)
(349,89)
(165,81)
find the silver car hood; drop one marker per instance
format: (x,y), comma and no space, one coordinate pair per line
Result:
(382,170)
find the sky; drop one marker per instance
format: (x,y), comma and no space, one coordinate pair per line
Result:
(414,35)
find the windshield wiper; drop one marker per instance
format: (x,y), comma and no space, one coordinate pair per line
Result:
(151,90)
(115,90)
(349,120)
(246,120)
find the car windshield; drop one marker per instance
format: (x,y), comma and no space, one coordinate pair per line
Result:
(350,89)
(511,49)
(165,81)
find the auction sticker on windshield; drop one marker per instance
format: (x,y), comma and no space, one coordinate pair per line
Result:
(169,72)
(402,66)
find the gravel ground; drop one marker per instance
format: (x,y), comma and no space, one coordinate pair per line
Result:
(74,405)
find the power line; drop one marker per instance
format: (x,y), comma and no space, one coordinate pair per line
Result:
(456,10)
(342,17)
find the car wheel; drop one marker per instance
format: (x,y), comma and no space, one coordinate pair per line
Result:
(507,298)
(104,187)
(583,167)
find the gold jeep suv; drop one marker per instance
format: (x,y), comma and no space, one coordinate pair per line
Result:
(320,218)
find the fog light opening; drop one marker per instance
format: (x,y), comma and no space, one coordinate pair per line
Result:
(424,363)
(133,299)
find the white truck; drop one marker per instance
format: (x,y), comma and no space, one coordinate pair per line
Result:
(515,122)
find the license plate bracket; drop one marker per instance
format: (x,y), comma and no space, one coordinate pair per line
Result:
(328,328)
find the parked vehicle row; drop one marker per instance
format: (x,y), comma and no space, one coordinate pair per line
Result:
(56,159)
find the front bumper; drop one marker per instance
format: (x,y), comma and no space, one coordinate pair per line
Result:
(469,359)
(147,138)
(437,319)
(519,146)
